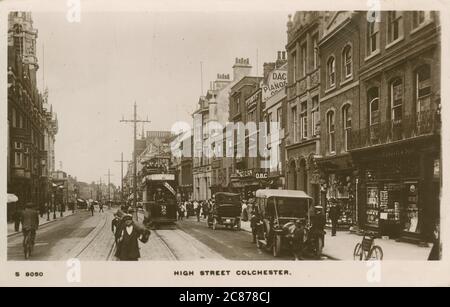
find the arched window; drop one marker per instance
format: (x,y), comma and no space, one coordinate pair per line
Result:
(331,132)
(303,176)
(347,125)
(396,98)
(347,61)
(374,107)
(331,74)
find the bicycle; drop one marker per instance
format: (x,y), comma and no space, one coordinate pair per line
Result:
(28,244)
(367,250)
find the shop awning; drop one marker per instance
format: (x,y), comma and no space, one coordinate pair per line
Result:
(12,198)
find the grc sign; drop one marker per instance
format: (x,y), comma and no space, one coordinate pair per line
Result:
(276,81)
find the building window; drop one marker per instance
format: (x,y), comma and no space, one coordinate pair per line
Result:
(374,112)
(304,59)
(315,116)
(347,61)
(419,18)
(396,100)
(238,104)
(373,36)
(304,119)
(295,122)
(331,72)
(18,159)
(279,117)
(316,51)
(395,26)
(347,121)
(294,67)
(20,124)
(423,89)
(331,132)
(14,117)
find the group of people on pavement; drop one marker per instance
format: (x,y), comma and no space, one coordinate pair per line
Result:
(127,234)
(194,208)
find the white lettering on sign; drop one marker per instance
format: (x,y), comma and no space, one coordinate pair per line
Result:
(276,81)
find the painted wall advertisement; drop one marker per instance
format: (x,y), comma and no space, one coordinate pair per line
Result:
(276,81)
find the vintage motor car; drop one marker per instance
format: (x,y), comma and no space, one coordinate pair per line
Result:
(226,211)
(278,210)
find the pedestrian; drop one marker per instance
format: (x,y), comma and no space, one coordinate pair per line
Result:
(116,225)
(196,207)
(128,245)
(334,216)
(255,222)
(30,222)
(298,238)
(318,222)
(17,217)
(100,207)
(435,253)
(92,208)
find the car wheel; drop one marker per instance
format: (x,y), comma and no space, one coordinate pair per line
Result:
(276,247)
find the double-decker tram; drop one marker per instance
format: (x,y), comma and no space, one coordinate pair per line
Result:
(159,194)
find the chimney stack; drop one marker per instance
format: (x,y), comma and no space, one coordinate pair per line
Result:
(241,68)
(279,55)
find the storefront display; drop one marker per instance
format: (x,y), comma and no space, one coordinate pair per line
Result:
(411,215)
(373,206)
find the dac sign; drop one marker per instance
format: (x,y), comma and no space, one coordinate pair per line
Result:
(276,81)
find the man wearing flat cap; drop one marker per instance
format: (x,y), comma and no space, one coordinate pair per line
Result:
(128,245)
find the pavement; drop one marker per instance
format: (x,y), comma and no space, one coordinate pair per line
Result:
(341,247)
(42,221)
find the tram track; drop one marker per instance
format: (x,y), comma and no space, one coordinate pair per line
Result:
(172,254)
(98,231)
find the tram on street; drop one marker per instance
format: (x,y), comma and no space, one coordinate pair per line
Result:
(159,191)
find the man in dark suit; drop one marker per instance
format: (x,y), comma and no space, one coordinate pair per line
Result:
(128,245)
(335,212)
(30,222)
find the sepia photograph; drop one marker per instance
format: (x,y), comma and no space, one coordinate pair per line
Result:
(303,135)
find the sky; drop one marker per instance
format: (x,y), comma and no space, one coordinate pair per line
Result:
(96,69)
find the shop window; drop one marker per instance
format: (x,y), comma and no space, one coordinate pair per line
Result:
(395,26)
(372,210)
(396,100)
(304,120)
(347,125)
(331,74)
(347,62)
(331,132)
(373,37)
(411,212)
(315,116)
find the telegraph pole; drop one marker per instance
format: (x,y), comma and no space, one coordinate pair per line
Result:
(121,173)
(134,121)
(109,187)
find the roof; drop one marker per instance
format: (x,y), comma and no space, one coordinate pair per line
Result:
(281,193)
(227,194)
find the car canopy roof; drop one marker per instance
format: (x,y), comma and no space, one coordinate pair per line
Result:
(266,193)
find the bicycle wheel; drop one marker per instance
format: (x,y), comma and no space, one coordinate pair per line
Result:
(357,252)
(376,253)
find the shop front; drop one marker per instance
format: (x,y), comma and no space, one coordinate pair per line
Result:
(400,186)
(248,181)
(337,183)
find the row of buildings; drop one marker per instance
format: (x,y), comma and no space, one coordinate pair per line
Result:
(32,124)
(355,98)
(32,128)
